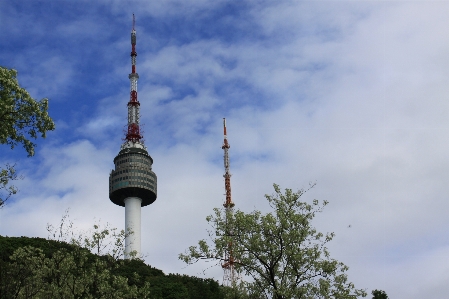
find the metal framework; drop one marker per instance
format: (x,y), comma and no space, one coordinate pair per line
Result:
(229,277)
(133,133)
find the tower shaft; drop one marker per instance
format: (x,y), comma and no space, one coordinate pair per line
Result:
(132,226)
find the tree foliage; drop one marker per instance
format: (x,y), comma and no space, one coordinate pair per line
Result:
(378,294)
(22,119)
(77,264)
(281,251)
(71,270)
(25,265)
(66,274)
(7,175)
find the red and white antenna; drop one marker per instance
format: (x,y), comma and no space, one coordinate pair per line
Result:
(230,277)
(133,132)
(227,174)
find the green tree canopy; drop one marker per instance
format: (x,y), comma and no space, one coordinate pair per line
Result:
(88,264)
(281,251)
(22,119)
(43,268)
(66,274)
(378,294)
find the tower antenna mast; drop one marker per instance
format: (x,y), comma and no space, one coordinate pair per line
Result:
(229,278)
(133,132)
(134,22)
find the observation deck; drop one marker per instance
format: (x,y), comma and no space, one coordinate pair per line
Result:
(133,177)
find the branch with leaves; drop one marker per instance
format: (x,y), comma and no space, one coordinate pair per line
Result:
(22,119)
(7,175)
(101,240)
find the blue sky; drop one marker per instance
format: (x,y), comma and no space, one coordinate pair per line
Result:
(351,94)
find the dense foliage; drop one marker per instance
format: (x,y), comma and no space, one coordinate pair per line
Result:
(40,268)
(281,251)
(379,294)
(21,117)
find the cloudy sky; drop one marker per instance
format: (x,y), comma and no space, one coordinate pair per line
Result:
(352,95)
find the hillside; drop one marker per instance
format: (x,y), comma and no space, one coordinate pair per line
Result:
(21,275)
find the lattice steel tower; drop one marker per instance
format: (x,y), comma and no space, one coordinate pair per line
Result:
(133,184)
(229,277)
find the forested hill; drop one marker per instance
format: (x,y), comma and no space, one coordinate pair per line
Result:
(40,268)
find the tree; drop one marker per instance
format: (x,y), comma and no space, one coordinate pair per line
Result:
(25,274)
(22,119)
(85,267)
(378,294)
(66,274)
(282,253)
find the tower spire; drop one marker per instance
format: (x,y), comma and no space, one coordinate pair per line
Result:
(229,277)
(133,133)
(134,22)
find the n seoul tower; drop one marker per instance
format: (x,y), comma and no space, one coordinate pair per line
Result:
(133,184)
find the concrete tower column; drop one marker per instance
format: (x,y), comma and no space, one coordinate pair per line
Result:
(132,224)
